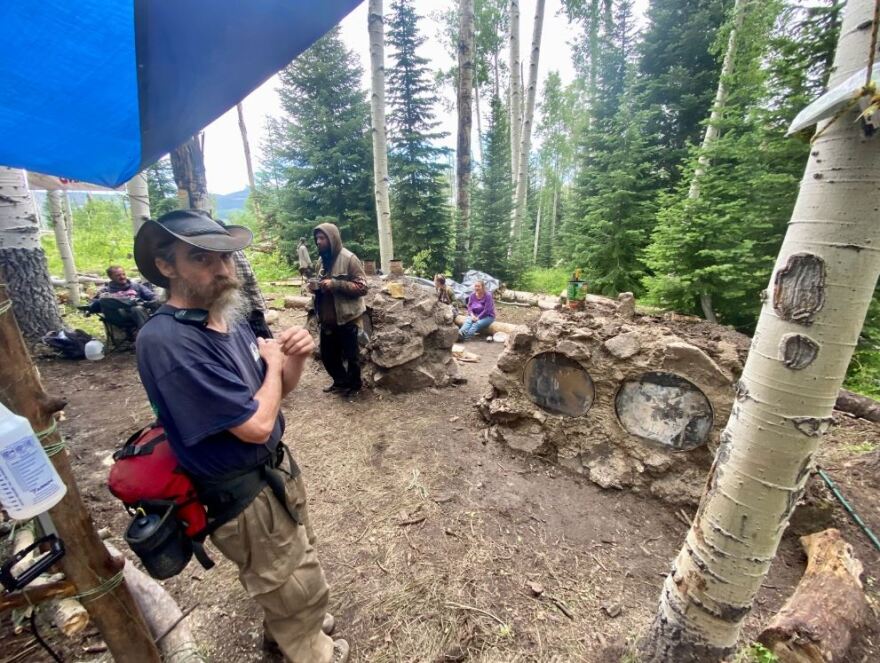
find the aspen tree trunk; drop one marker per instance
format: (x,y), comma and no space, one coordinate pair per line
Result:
(22,259)
(522,169)
(479,121)
(68,218)
(56,206)
(139,200)
(537,235)
(816,303)
(553,220)
(188,165)
(465,120)
(515,89)
(712,128)
(242,127)
(376,26)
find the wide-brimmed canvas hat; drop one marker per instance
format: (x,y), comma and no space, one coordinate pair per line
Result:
(194,227)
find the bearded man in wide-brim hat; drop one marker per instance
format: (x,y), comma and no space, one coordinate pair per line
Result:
(217,390)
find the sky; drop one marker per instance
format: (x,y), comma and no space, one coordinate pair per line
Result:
(224,154)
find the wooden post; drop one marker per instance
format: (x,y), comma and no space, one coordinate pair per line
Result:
(87,563)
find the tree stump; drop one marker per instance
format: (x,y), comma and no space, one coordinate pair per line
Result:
(817,623)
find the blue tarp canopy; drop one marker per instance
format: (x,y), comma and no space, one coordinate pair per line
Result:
(96,90)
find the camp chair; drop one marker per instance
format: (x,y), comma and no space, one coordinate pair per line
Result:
(120,323)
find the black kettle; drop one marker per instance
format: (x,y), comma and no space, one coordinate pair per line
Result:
(159,539)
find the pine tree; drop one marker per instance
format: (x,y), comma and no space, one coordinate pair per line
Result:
(324,149)
(612,209)
(421,216)
(723,244)
(161,187)
(678,75)
(493,202)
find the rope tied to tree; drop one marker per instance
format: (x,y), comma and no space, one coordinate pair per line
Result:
(57,447)
(869,89)
(102,589)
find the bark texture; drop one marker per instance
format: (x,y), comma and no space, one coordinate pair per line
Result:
(376,26)
(22,260)
(818,621)
(188,164)
(62,241)
(822,284)
(87,563)
(515,91)
(139,200)
(465,119)
(525,136)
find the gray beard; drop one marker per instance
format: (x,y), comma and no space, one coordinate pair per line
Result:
(230,307)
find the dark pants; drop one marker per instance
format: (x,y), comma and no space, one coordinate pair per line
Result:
(339,353)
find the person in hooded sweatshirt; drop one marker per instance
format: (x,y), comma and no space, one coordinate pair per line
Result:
(339,304)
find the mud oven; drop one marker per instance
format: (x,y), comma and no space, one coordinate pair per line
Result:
(631,401)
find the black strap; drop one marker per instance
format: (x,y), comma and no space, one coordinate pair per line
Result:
(130,449)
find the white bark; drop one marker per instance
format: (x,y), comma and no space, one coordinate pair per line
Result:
(479,121)
(553,218)
(515,88)
(525,137)
(242,127)
(68,218)
(139,200)
(56,206)
(712,128)
(465,123)
(816,303)
(537,235)
(19,228)
(376,26)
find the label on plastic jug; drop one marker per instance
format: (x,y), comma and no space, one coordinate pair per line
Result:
(26,476)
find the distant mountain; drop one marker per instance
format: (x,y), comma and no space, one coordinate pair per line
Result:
(230,202)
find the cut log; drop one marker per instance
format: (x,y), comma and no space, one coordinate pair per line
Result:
(36,593)
(297,301)
(162,614)
(495,327)
(69,616)
(858,405)
(817,623)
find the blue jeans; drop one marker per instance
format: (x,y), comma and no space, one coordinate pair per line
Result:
(470,328)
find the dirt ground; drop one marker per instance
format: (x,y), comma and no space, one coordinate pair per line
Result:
(430,536)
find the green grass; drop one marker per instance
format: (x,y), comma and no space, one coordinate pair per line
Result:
(101,237)
(755,653)
(550,281)
(863,376)
(863,448)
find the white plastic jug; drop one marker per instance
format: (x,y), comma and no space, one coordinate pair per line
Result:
(29,484)
(94,350)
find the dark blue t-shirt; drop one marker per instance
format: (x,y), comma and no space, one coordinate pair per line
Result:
(202,383)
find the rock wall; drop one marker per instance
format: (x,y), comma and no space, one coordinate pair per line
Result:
(631,401)
(411,339)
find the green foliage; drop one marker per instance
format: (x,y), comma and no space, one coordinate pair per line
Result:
(161,187)
(420,216)
(864,370)
(269,266)
(101,237)
(755,653)
(678,76)
(421,264)
(722,243)
(543,280)
(493,203)
(319,167)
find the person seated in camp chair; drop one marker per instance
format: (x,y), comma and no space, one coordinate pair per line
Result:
(141,300)
(217,389)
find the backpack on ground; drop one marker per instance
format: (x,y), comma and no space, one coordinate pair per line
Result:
(71,344)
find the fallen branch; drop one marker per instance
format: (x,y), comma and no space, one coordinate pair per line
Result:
(818,621)
(858,405)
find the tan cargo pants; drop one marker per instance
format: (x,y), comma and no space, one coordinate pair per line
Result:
(279,569)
